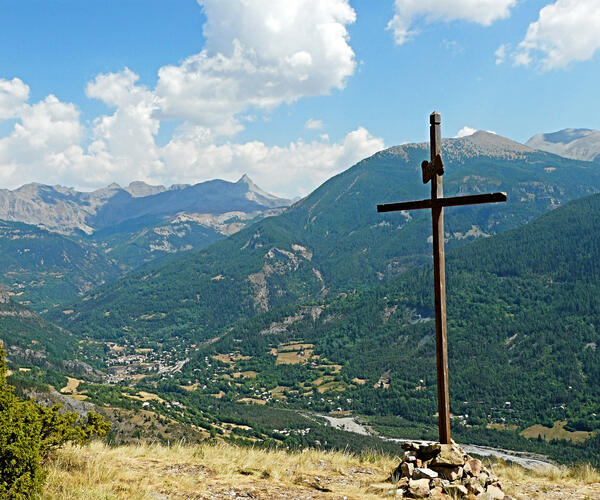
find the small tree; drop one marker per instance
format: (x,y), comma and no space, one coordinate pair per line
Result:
(29,433)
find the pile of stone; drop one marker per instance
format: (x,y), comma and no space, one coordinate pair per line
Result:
(443,471)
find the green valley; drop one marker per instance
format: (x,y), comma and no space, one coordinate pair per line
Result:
(326,309)
(523,320)
(332,241)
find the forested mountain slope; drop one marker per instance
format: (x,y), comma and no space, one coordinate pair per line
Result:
(523,323)
(331,241)
(37,349)
(43,269)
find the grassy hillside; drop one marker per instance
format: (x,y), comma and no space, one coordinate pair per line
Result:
(331,241)
(224,471)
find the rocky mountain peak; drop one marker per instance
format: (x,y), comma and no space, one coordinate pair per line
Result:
(139,189)
(245,179)
(483,143)
(480,143)
(565,136)
(105,192)
(65,210)
(259,195)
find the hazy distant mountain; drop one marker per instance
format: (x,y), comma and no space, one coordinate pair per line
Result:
(575,143)
(67,211)
(56,242)
(139,189)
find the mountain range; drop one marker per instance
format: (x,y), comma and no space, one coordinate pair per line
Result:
(326,306)
(68,211)
(330,242)
(59,242)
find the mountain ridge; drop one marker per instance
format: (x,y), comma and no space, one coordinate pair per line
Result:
(114,229)
(66,210)
(333,240)
(574,143)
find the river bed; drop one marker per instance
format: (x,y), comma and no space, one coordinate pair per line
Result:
(528,460)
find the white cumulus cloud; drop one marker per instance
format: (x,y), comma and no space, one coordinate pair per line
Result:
(294,169)
(483,12)
(501,53)
(258,55)
(13,94)
(566,31)
(118,89)
(313,124)
(465,131)
(47,145)
(46,135)
(127,137)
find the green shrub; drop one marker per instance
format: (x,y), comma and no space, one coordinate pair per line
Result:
(28,435)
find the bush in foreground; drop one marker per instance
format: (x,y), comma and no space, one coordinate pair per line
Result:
(28,435)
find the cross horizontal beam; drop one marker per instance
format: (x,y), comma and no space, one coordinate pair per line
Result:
(454,201)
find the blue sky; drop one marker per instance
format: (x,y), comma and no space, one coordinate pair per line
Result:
(290,92)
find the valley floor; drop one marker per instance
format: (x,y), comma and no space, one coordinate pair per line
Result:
(214,471)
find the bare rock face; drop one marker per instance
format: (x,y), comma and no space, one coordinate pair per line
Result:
(574,143)
(443,471)
(67,211)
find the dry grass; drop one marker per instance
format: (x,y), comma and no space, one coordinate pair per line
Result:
(219,470)
(581,482)
(252,401)
(581,474)
(190,388)
(293,357)
(292,353)
(72,385)
(557,431)
(331,387)
(147,396)
(230,358)
(210,471)
(295,347)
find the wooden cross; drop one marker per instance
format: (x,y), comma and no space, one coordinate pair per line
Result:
(433,171)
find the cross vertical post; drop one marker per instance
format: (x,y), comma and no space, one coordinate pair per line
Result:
(433,171)
(439,278)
